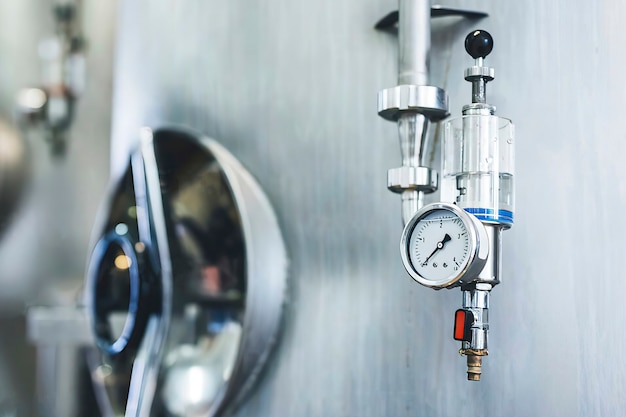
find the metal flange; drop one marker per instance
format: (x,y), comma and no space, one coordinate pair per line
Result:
(479,109)
(424,99)
(472,73)
(412,178)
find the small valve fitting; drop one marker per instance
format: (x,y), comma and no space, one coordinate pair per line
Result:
(478,45)
(474,363)
(471,327)
(410,105)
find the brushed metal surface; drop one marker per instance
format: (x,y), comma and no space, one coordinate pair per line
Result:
(290,88)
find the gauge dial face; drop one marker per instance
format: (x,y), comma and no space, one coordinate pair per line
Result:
(439,246)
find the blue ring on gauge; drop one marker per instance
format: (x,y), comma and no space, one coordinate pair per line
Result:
(488,215)
(117,293)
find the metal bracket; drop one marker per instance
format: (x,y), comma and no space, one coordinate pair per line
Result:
(389,23)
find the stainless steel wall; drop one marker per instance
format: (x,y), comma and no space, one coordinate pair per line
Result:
(290,88)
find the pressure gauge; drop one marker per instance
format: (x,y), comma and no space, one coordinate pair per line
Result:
(443,246)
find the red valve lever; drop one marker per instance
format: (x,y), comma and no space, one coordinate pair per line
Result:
(463,321)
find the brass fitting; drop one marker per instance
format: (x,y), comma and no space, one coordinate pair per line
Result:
(474,362)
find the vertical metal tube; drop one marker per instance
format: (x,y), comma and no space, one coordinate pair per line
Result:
(413,132)
(479,91)
(412,201)
(413,61)
(414,41)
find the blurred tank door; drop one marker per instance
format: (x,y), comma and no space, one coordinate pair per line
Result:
(186,281)
(185,285)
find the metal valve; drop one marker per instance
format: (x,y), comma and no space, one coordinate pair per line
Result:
(477,176)
(478,45)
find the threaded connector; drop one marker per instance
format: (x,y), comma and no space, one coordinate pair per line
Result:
(474,367)
(474,362)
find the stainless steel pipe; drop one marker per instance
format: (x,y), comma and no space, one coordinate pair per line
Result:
(413,64)
(413,132)
(414,41)
(413,105)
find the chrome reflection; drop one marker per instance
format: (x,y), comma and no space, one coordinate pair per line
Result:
(194,374)
(219,291)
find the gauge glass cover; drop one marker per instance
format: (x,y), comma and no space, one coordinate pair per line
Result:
(440,245)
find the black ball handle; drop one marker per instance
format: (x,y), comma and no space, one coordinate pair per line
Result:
(479,43)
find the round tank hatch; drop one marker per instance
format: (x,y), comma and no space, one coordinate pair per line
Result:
(186,281)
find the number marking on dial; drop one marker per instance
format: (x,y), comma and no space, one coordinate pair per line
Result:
(439,240)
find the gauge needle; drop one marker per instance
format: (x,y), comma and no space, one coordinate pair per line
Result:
(445,239)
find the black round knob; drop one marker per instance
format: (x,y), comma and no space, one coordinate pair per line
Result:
(478,43)
(64,12)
